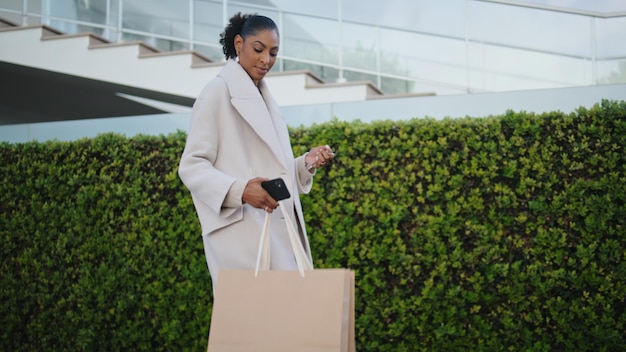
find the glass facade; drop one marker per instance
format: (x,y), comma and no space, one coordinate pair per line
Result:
(402,46)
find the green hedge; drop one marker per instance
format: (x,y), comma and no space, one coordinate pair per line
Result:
(496,233)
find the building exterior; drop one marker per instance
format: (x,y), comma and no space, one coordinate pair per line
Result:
(414,51)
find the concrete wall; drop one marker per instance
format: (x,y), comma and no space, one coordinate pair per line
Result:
(454,106)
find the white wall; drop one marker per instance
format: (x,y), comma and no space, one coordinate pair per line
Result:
(475,105)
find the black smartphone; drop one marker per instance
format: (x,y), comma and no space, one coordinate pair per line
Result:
(276,188)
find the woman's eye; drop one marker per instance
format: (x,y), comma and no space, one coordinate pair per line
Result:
(273,54)
(258,50)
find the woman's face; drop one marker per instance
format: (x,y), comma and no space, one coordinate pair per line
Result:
(257,53)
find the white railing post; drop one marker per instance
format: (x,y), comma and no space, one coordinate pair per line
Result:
(191,25)
(120,20)
(25,13)
(379,79)
(107,21)
(340,79)
(594,49)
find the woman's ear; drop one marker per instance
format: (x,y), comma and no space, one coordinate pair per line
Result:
(238,43)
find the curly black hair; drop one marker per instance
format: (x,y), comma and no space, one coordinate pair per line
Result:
(243,25)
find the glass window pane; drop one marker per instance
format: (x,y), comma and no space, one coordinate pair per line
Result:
(328,74)
(437,17)
(208,23)
(360,49)
(311,39)
(360,76)
(612,71)
(497,68)
(527,28)
(14,5)
(164,17)
(610,34)
(396,86)
(61,15)
(11,10)
(210,52)
(11,17)
(233,9)
(423,57)
(70,16)
(158,43)
(320,8)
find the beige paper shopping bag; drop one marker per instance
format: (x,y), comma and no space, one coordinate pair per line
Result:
(283,311)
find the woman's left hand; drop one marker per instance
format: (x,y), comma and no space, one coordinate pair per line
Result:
(318,157)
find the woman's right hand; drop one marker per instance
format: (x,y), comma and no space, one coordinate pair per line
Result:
(255,195)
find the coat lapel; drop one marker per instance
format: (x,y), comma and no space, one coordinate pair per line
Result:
(279,122)
(249,102)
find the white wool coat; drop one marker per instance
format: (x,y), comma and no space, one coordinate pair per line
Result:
(237,133)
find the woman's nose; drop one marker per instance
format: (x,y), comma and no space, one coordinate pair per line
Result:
(265,58)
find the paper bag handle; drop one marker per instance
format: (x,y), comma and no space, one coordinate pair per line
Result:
(263,253)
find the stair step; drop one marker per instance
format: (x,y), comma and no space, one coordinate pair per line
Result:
(188,71)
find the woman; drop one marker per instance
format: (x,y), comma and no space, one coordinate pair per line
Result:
(237,139)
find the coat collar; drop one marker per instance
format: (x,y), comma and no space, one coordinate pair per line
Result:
(257,106)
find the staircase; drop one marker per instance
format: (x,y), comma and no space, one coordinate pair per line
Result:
(135,64)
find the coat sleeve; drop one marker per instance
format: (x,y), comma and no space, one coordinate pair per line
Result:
(305,178)
(219,191)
